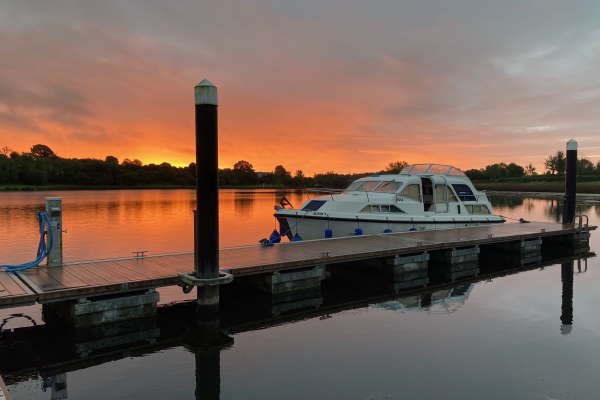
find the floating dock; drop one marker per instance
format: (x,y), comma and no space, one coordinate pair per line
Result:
(24,351)
(114,276)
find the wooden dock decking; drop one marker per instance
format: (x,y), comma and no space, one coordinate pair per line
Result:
(44,284)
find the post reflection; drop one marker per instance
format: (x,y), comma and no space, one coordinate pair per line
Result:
(206,340)
(566,317)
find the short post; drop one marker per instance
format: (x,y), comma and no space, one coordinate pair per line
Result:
(54,211)
(206,237)
(570,183)
(566,316)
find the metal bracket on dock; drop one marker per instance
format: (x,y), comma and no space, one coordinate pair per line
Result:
(192,280)
(580,223)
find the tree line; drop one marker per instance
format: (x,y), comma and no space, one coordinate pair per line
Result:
(42,166)
(554,165)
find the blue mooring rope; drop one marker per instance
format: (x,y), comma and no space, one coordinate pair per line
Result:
(42,251)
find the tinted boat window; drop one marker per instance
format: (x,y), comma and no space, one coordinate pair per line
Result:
(313,205)
(388,187)
(383,208)
(412,192)
(464,192)
(363,186)
(443,193)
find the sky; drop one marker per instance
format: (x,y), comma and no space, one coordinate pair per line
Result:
(316,85)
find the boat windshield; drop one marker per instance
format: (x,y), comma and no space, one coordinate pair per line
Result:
(433,169)
(363,186)
(388,187)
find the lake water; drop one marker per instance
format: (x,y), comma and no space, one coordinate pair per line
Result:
(498,338)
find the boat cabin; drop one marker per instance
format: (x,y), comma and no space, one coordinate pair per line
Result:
(428,188)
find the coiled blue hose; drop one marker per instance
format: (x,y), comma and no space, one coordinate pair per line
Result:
(42,251)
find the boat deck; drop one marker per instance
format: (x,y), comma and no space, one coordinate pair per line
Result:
(45,284)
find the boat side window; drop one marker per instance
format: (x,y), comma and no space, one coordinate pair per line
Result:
(384,208)
(464,192)
(441,197)
(388,187)
(370,209)
(477,209)
(412,191)
(369,186)
(353,186)
(313,205)
(363,186)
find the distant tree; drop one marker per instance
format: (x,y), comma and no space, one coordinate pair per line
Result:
(5,150)
(41,151)
(514,170)
(530,170)
(281,175)
(111,160)
(475,174)
(299,174)
(555,164)
(134,163)
(243,166)
(280,171)
(395,167)
(584,166)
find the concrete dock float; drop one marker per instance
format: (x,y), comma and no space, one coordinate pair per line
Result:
(114,276)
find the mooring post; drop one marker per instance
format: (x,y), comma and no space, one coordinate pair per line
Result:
(206,238)
(206,275)
(566,317)
(54,211)
(570,183)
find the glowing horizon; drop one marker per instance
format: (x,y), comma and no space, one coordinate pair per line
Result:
(321,86)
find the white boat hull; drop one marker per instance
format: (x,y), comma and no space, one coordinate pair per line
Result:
(312,228)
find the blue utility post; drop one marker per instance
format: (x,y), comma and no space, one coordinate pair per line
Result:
(54,211)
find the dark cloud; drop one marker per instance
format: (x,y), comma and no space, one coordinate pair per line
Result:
(357,81)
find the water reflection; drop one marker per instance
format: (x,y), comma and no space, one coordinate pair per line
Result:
(566,317)
(114,223)
(25,354)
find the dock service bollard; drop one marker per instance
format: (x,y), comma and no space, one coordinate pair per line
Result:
(54,211)
(570,183)
(206,215)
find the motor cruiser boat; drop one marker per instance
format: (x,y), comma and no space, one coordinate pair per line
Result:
(421,197)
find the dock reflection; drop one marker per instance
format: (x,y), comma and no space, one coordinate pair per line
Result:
(25,353)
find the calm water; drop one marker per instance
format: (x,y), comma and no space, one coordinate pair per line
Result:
(499,338)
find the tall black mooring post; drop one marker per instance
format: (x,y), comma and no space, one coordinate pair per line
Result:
(206,215)
(206,275)
(566,316)
(570,183)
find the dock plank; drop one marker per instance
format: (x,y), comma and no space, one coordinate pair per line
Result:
(105,276)
(13,291)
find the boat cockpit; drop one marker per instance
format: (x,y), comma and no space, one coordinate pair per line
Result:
(437,187)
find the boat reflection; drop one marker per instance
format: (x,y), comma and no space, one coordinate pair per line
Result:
(50,352)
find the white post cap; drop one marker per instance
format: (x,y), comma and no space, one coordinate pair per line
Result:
(205,93)
(572,145)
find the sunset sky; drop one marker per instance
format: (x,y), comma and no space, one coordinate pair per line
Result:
(345,85)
